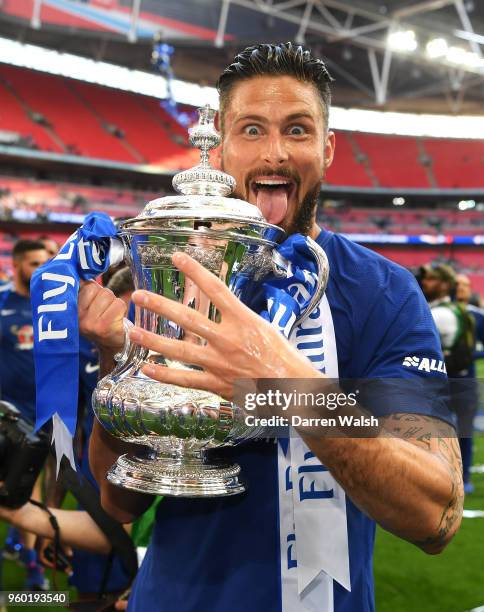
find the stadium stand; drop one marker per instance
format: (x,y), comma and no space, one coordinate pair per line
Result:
(124,112)
(43,196)
(431,221)
(394,160)
(53,98)
(469,260)
(457,163)
(14,116)
(31,194)
(109,124)
(125,127)
(347,165)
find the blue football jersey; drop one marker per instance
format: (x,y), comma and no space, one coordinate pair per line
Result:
(88,567)
(215,555)
(17,374)
(88,377)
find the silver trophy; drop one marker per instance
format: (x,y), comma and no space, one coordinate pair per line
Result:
(175,425)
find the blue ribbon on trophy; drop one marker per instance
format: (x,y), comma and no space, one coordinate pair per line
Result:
(54,290)
(289,295)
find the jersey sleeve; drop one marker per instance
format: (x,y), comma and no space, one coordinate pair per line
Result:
(405,370)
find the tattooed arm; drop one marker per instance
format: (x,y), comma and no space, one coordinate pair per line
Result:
(408,480)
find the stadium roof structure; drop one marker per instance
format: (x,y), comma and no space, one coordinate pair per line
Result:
(401,55)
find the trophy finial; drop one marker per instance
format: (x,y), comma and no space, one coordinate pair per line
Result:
(203,179)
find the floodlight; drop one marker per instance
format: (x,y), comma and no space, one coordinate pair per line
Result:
(402,40)
(437,47)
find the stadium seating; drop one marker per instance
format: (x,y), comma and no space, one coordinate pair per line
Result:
(457,163)
(469,260)
(15,118)
(76,126)
(346,168)
(103,123)
(403,221)
(45,196)
(142,128)
(394,160)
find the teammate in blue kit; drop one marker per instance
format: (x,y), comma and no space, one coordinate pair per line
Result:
(17,380)
(227,554)
(17,340)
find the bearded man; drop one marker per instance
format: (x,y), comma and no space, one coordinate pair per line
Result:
(231,554)
(17,381)
(17,378)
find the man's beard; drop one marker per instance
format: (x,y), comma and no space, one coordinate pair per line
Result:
(24,281)
(431,294)
(305,213)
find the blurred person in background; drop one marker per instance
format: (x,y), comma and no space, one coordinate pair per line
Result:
(17,379)
(50,245)
(456,328)
(121,284)
(16,340)
(438,283)
(463,294)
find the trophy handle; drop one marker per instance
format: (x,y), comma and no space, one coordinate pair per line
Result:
(323,275)
(122,357)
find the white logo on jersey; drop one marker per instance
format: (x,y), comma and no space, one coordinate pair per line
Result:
(91,368)
(424,363)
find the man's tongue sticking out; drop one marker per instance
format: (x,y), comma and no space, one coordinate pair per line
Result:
(272,202)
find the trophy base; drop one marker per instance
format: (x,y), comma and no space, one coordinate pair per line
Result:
(167,476)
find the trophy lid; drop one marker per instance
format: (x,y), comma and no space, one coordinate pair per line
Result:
(203,189)
(203,179)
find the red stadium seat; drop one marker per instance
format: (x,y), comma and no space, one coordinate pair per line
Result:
(346,170)
(394,160)
(457,163)
(74,123)
(14,118)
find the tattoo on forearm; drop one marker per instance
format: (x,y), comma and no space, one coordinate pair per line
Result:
(440,439)
(451,514)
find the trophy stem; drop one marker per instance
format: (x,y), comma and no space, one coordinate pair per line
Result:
(176,474)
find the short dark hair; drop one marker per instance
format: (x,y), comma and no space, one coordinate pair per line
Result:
(24,246)
(283,59)
(121,282)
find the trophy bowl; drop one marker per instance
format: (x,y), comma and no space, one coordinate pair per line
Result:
(176,426)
